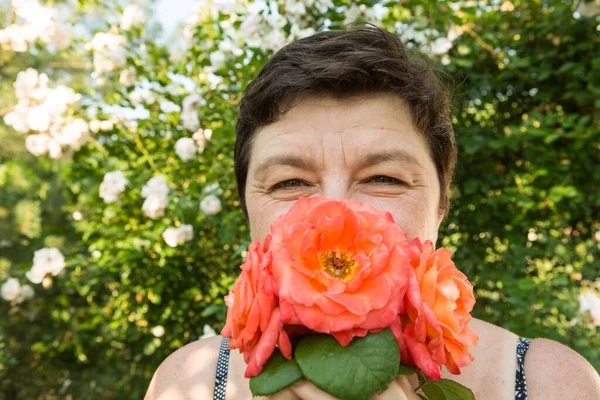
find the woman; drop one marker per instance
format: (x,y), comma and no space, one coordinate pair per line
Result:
(350,114)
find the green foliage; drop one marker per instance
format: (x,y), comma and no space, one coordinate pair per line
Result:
(277,374)
(525,205)
(333,368)
(445,389)
(522,224)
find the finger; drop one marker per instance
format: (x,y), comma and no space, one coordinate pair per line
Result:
(408,388)
(285,394)
(394,392)
(307,391)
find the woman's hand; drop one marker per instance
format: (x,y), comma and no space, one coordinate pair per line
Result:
(399,389)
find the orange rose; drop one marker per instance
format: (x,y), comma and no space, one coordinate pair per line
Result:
(339,267)
(438,305)
(253,317)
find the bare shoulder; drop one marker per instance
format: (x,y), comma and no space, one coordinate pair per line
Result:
(188,373)
(554,371)
(491,374)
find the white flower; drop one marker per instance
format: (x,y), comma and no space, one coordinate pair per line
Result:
(189,116)
(12,291)
(77,216)
(132,16)
(127,77)
(156,192)
(176,236)
(589,9)
(207,332)
(454,32)
(210,205)
(356,12)
(109,51)
(154,206)
(186,148)
(48,260)
(273,41)
(171,237)
(106,125)
(229,47)
(169,107)
(201,136)
(190,120)
(191,102)
(295,8)
(156,186)
(297,33)
(249,27)
(440,46)
(213,188)
(37,144)
(532,235)
(38,118)
(94,125)
(74,134)
(590,302)
(58,99)
(140,95)
(188,84)
(54,149)
(416,33)
(31,85)
(378,11)
(36,275)
(217,59)
(112,186)
(61,37)
(26,293)
(17,118)
(187,232)
(158,331)
(16,38)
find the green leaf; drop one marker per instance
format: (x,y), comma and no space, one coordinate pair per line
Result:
(445,389)
(277,374)
(356,372)
(406,370)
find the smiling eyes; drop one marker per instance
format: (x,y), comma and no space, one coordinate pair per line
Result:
(283,185)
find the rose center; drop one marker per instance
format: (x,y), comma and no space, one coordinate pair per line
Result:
(338,266)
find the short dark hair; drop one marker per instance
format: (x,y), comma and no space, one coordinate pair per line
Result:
(345,63)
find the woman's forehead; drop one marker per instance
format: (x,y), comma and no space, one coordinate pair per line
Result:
(375,127)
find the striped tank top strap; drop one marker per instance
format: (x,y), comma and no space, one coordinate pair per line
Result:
(520,381)
(222,366)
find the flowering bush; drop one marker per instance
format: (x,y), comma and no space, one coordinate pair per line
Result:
(116,163)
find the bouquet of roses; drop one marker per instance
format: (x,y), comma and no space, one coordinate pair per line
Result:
(338,295)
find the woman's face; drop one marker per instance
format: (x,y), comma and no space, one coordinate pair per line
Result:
(365,149)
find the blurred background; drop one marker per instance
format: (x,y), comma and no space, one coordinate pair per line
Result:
(120,225)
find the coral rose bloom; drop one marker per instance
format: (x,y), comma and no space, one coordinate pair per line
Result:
(253,318)
(438,305)
(339,267)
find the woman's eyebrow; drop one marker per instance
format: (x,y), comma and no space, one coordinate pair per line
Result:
(292,160)
(283,159)
(393,155)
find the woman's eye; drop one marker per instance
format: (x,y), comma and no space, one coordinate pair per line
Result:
(387,180)
(286,184)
